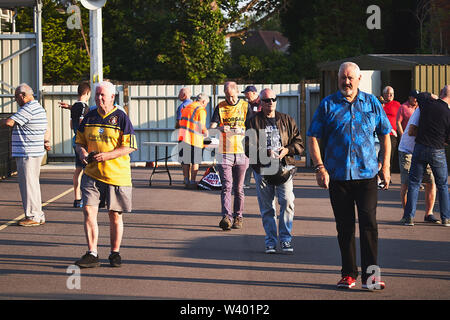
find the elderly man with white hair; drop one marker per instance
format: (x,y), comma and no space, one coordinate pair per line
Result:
(104,140)
(30,139)
(344,123)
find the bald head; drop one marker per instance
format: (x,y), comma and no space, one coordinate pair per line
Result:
(184,94)
(445,93)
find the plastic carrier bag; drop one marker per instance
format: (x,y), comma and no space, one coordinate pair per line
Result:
(210,180)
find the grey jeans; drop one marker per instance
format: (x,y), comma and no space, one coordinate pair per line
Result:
(28,171)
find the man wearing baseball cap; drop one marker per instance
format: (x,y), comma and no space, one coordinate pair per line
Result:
(252,96)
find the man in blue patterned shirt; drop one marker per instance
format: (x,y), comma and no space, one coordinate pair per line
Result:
(344,125)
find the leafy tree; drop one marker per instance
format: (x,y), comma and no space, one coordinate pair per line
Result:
(134,33)
(196,50)
(324,30)
(65,59)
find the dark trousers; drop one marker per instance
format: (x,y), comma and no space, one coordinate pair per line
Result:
(344,195)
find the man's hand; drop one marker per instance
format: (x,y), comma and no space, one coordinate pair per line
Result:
(385,176)
(323,178)
(103,156)
(65,105)
(282,152)
(47,145)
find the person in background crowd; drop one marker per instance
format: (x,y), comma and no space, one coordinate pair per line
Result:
(30,141)
(77,113)
(405,112)
(229,118)
(391,108)
(192,131)
(185,97)
(253,99)
(432,134)
(405,150)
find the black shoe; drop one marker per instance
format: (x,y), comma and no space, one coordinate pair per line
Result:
(286,247)
(115,260)
(432,219)
(88,261)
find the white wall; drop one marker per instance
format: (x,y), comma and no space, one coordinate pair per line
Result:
(371,82)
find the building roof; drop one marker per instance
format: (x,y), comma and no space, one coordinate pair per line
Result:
(270,40)
(17,3)
(389,61)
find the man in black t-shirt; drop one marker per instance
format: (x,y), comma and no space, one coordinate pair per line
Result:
(433,134)
(77,112)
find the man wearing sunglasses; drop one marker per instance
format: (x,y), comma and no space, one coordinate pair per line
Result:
(273,139)
(344,125)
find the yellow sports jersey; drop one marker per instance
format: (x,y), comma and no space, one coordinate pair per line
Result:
(104,134)
(233,116)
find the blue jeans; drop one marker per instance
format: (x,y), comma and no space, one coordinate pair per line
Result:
(422,156)
(266,199)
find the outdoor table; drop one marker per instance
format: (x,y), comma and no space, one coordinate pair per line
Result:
(156,145)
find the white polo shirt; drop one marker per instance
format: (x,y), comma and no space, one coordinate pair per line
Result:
(408,142)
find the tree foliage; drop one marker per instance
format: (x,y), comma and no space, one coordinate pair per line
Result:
(65,59)
(184,40)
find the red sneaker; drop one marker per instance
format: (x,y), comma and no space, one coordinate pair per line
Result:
(346,282)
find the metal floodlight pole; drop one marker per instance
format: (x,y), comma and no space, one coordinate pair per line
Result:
(39,50)
(96,46)
(96,39)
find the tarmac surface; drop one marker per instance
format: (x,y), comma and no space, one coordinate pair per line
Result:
(173,248)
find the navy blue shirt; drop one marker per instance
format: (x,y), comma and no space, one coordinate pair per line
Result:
(434,122)
(347,132)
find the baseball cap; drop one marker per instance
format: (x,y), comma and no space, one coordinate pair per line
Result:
(250,88)
(414,93)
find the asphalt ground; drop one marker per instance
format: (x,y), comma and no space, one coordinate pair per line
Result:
(173,248)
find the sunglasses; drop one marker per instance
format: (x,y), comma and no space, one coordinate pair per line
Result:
(269,100)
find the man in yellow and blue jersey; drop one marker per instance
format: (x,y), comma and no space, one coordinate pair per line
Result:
(104,141)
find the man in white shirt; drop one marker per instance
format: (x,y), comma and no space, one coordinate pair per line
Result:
(405,150)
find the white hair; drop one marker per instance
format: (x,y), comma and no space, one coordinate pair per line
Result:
(385,90)
(352,65)
(25,89)
(108,86)
(203,97)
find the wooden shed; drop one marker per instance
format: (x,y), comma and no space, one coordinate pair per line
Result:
(403,72)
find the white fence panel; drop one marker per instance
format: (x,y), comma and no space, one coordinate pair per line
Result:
(152,110)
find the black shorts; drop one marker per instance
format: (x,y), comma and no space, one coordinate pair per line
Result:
(188,154)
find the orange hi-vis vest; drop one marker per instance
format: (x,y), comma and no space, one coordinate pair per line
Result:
(193,124)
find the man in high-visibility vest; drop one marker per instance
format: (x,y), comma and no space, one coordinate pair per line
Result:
(192,131)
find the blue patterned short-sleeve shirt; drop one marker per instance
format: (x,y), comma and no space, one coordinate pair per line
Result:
(346,131)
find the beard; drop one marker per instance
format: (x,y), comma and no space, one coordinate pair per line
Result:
(346,91)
